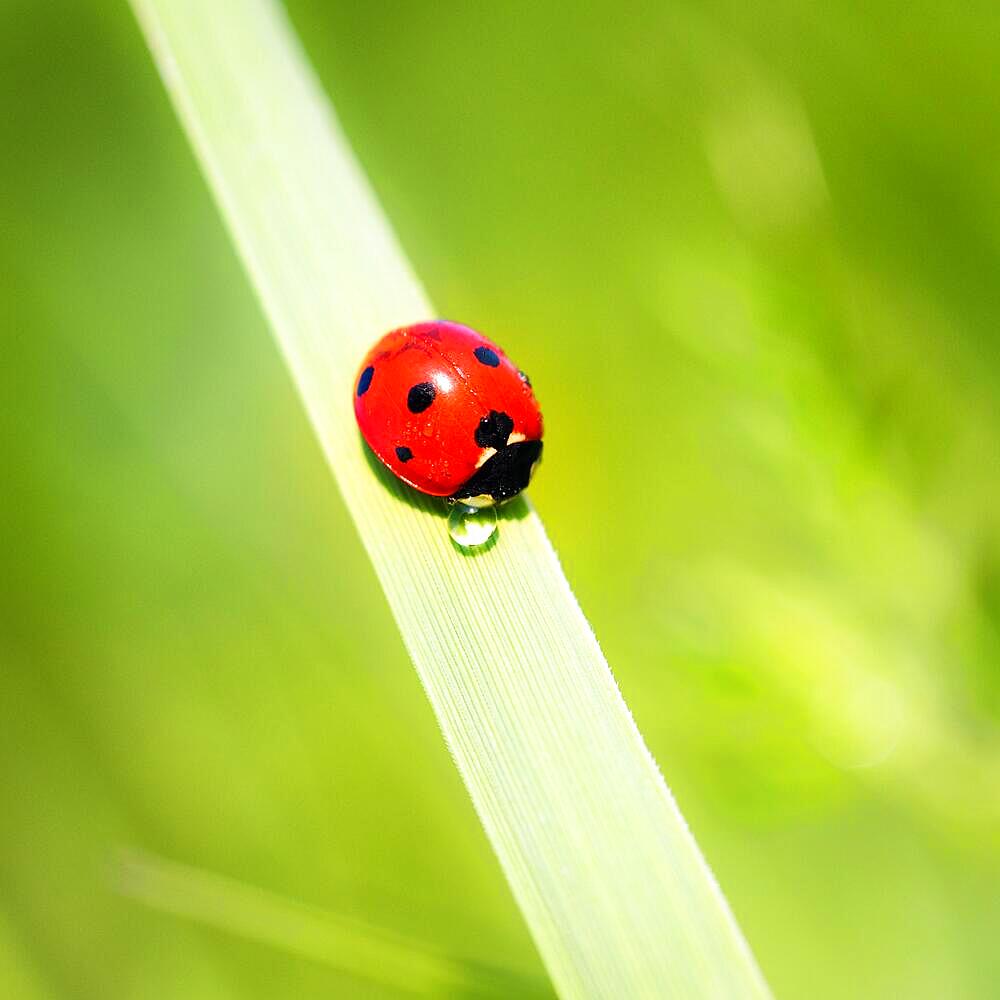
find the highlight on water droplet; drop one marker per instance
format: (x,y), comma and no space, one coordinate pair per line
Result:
(471,526)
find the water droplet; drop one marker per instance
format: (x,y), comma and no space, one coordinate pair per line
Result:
(471,526)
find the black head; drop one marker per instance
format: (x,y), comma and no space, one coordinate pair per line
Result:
(502,476)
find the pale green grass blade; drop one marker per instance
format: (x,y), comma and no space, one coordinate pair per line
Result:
(348,945)
(611,883)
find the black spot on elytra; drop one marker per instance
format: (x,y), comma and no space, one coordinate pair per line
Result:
(420,397)
(365,380)
(524,378)
(487,356)
(494,430)
(403,453)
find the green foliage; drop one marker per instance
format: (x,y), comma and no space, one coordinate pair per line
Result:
(771,475)
(612,886)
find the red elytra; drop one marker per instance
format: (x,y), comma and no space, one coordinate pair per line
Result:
(448,412)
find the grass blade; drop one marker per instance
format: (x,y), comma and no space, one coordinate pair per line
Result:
(611,883)
(348,945)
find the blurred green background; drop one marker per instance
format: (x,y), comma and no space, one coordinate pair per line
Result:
(749,255)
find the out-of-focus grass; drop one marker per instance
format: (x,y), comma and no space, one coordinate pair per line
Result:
(368,953)
(749,259)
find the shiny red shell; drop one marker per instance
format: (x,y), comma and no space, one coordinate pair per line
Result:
(436,401)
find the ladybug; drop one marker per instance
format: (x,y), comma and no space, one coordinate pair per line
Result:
(449,413)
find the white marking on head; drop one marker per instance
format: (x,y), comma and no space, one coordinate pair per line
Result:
(481,500)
